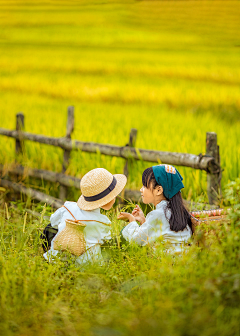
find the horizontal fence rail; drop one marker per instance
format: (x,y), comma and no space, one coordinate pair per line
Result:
(32,193)
(65,180)
(47,175)
(125,152)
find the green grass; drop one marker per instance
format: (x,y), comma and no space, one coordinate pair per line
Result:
(170,69)
(137,291)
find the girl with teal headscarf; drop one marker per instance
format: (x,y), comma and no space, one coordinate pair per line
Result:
(170,220)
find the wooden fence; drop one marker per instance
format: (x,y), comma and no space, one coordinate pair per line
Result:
(210,162)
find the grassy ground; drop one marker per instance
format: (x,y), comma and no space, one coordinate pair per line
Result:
(137,291)
(170,69)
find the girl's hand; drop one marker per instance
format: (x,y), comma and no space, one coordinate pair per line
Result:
(138,214)
(126,216)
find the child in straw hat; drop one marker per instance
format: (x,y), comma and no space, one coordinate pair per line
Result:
(170,220)
(99,190)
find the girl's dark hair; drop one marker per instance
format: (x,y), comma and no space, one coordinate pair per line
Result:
(180,217)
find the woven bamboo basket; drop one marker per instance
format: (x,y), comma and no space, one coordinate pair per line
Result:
(71,238)
(208,218)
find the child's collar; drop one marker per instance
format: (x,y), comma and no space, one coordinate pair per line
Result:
(161,204)
(96,211)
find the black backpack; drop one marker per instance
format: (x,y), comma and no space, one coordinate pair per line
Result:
(47,236)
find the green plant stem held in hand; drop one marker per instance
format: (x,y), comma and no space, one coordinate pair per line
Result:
(149,196)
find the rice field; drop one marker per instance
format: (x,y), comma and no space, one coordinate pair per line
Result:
(169,69)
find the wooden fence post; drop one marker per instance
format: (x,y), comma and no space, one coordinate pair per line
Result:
(66,154)
(19,147)
(131,143)
(214,176)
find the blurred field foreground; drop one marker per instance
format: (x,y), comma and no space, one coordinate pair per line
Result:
(169,69)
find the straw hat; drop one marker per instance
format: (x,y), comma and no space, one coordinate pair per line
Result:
(99,187)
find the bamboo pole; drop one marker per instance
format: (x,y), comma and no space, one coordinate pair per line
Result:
(214,172)
(55,202)
(126,152)
(66,154)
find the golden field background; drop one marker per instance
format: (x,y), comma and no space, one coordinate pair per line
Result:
(168,68)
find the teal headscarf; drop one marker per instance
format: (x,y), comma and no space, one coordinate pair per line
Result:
(169,178)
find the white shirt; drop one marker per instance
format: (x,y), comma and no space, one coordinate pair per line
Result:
(94,233)
(155,226)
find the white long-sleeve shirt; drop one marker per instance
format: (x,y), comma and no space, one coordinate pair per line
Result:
(156,226)
(94,233)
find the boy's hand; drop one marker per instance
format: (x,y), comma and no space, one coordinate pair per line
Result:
(126,216)
(138,214)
